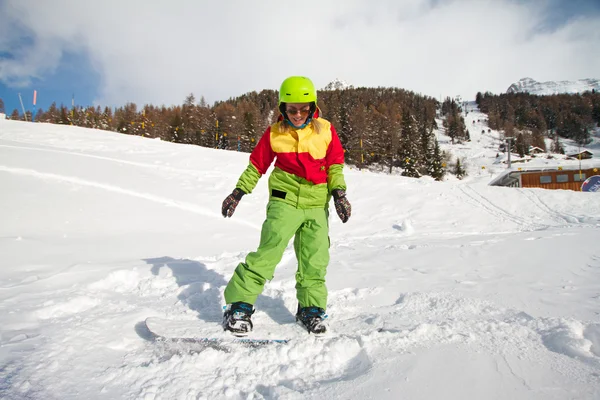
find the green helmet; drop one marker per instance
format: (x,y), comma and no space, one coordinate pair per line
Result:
(297,89)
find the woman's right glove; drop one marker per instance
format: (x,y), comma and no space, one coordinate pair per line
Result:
(342,205)
(231,202)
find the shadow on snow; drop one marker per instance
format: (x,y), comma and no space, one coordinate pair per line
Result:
(203,293)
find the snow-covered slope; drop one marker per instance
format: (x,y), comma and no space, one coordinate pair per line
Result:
(528,85)
(451,290)
(484,160)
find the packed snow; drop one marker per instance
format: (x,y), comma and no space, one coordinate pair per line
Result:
(438,290)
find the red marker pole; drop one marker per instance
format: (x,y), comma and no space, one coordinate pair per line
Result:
(34,101)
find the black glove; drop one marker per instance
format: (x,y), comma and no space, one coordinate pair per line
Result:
(342,205)
(231,202)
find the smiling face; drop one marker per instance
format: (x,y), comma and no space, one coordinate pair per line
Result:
(297,112)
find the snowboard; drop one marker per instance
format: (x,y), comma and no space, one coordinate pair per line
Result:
(205,333)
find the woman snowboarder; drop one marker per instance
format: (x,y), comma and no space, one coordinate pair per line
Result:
(308,172)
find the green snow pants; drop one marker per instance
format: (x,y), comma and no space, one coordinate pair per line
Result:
(310,229)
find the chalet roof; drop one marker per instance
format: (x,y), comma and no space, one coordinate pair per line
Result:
(581,152)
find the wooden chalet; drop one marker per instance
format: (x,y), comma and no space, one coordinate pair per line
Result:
(584,155)
(535,150)
(546,178)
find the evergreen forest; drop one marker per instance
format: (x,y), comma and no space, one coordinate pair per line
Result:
(383,128)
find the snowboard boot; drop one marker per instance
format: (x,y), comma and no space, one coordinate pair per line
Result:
(312,319)
(236,318)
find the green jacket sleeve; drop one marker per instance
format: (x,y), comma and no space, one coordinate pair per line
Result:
(248,179)
(335,177)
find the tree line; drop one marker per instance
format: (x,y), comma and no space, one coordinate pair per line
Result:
(529,118)
(378,127)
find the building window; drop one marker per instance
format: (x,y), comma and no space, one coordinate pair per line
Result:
(562,178)
(579,177)
(546,179)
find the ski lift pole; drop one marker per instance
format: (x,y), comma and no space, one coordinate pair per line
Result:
(508,144)
(22,107)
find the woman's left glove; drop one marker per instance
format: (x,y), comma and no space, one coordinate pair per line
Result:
(231,202)
(342,205)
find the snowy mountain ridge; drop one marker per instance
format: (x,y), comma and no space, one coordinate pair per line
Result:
(529,85)
(338,84)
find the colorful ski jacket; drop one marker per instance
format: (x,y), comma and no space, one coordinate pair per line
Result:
(308,164)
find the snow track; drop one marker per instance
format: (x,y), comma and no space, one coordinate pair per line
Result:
(489,206)
(560,218)
(116,189)
(160,167)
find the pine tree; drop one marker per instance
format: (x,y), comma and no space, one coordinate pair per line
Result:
(38,115)
(537,139)
(410,168)
(478,99)
(425,149)
(408,147)
(52,115)
(520,145)
(459,171)
(596,109)
(189,123)
(2,111)
(355,147)
(247,127)
(345,129)
(206,125)
(126,119)
(106,119)
(176,129)
(435,163)
(557,146)
(65,117)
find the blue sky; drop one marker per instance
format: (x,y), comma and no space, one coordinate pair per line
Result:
(159,53)
(561,11)
(73,79)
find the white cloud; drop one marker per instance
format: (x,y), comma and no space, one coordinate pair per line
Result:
(150,52)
